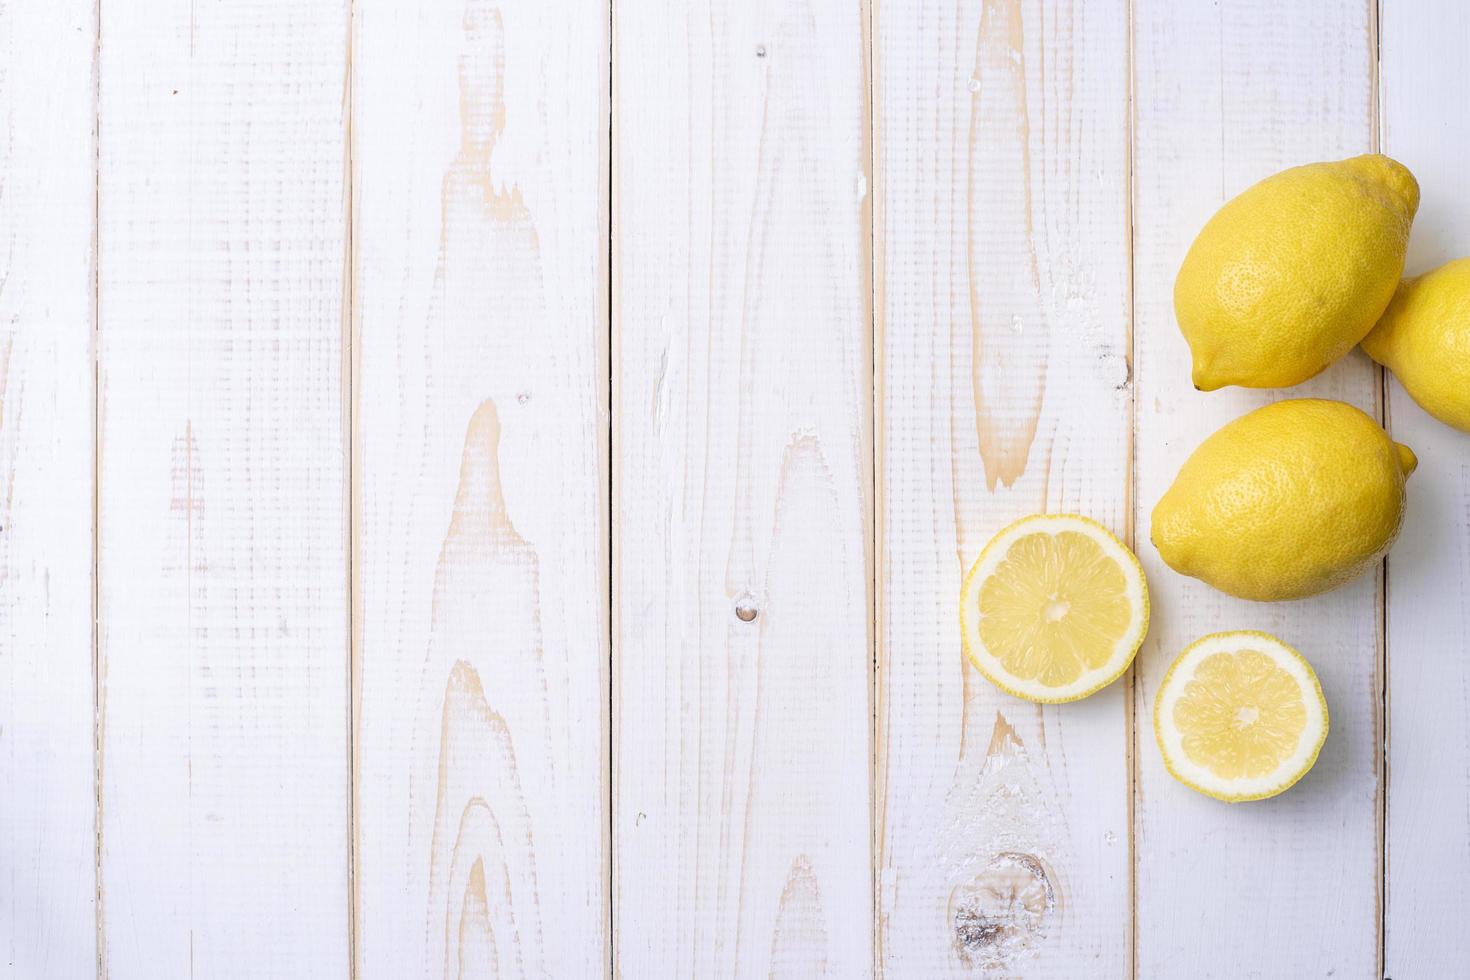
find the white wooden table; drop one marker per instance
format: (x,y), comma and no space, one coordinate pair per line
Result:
(420,650)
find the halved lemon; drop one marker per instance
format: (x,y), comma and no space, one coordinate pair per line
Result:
(1054,608)
(1240,716)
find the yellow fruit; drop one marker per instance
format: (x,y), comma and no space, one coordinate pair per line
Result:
(1287,501)
(1054,608)
(1240,716)
(1424,339)
(1288,276)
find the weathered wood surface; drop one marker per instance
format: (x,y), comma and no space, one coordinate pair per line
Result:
(1422,106)
(221,492)
(742,515)
(481,544)
(1229,891)
(484,486)
(48,803)
(1005,389)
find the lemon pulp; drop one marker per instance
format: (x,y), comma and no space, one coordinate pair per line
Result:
(1241,716)
(1054,608)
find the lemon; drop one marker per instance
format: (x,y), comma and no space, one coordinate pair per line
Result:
(1240,716)
(1287,501)
(1424,339)
(1054,608)
(1289,276)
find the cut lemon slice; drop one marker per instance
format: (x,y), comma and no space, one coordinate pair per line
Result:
(1054,608)
(1240,716)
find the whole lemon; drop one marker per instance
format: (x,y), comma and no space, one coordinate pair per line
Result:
(1424,339)
(1288,276)
(1287,501)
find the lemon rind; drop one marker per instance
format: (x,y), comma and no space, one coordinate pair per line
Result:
(1311,759)
(1006,682)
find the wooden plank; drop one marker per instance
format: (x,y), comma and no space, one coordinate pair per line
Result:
(222,490)
(480,156)
(1424,104)
(1005,390)
(47,791)
(1223,97)
(743,447)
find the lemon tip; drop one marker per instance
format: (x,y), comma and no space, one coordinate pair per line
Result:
(1399,179)
(1408,462)
(1203,378)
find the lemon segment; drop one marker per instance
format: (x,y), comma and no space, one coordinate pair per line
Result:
(1240,716)
(1054,608)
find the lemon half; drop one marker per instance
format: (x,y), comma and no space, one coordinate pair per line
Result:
(1054,608)
(1240,716)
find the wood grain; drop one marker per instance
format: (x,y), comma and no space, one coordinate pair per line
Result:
(1287,887)
(1424,106)
(1005,390)
(480,293)
(743,448)
(309,516)
(222,490)
(47,790)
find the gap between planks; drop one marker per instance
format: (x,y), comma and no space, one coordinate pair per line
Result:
(614,361)
(1130,507)
(351,368)
(98,688)
(1380,660)
(875,488)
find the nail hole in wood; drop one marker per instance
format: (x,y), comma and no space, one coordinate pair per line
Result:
(745,609)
